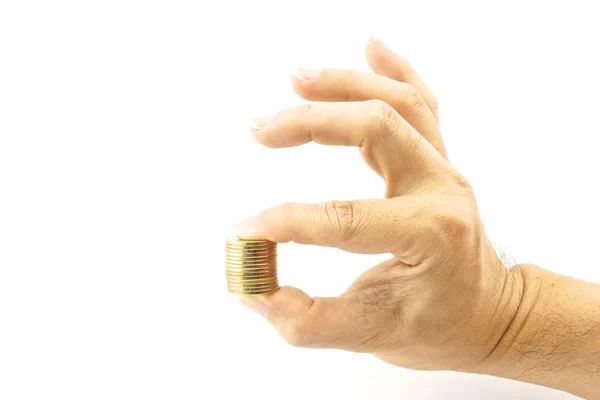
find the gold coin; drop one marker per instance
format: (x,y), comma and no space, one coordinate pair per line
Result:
(247,260)
(231,255)
(251,266)
(269,266)
(249,253)
(250,249)
(252,272)
(250,279)
(251,257)
(248,274)
(248,264)
(264,288)
(250,244)
(244,244)
(253,280)
(244,277)
(271,286)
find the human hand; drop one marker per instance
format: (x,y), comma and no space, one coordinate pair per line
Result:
(443,300)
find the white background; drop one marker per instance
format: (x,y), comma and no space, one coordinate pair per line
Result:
(125,160)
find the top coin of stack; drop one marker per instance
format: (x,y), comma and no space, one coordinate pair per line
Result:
(251,266)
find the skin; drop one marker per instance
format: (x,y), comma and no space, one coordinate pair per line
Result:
(444,300)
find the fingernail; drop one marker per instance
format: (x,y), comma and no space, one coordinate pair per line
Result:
(255,305)
(307,74)
(259,122)
(246,227)
(377,40)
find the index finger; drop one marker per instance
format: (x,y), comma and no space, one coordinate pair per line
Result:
(405,226)
(389,145)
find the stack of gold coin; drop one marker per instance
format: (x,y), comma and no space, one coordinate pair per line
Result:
(251,266)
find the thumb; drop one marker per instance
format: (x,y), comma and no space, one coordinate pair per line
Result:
(303,321)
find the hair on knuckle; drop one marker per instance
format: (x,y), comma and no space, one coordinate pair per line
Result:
(386,117)
(342,217)
(458,180)
(463,183)
(414,98)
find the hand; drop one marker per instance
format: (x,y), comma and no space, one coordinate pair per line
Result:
(443,300)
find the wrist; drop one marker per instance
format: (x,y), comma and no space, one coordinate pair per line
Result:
(553,334)
(512,312)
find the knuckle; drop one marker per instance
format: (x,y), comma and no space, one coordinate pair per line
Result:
(295,333)
(455,180)
(456,229)
(342,217)
(463,183)
(413,97)
(386,116)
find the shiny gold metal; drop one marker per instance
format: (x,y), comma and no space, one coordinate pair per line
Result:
(251,266)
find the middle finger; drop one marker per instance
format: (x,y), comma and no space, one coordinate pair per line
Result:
(348,85)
